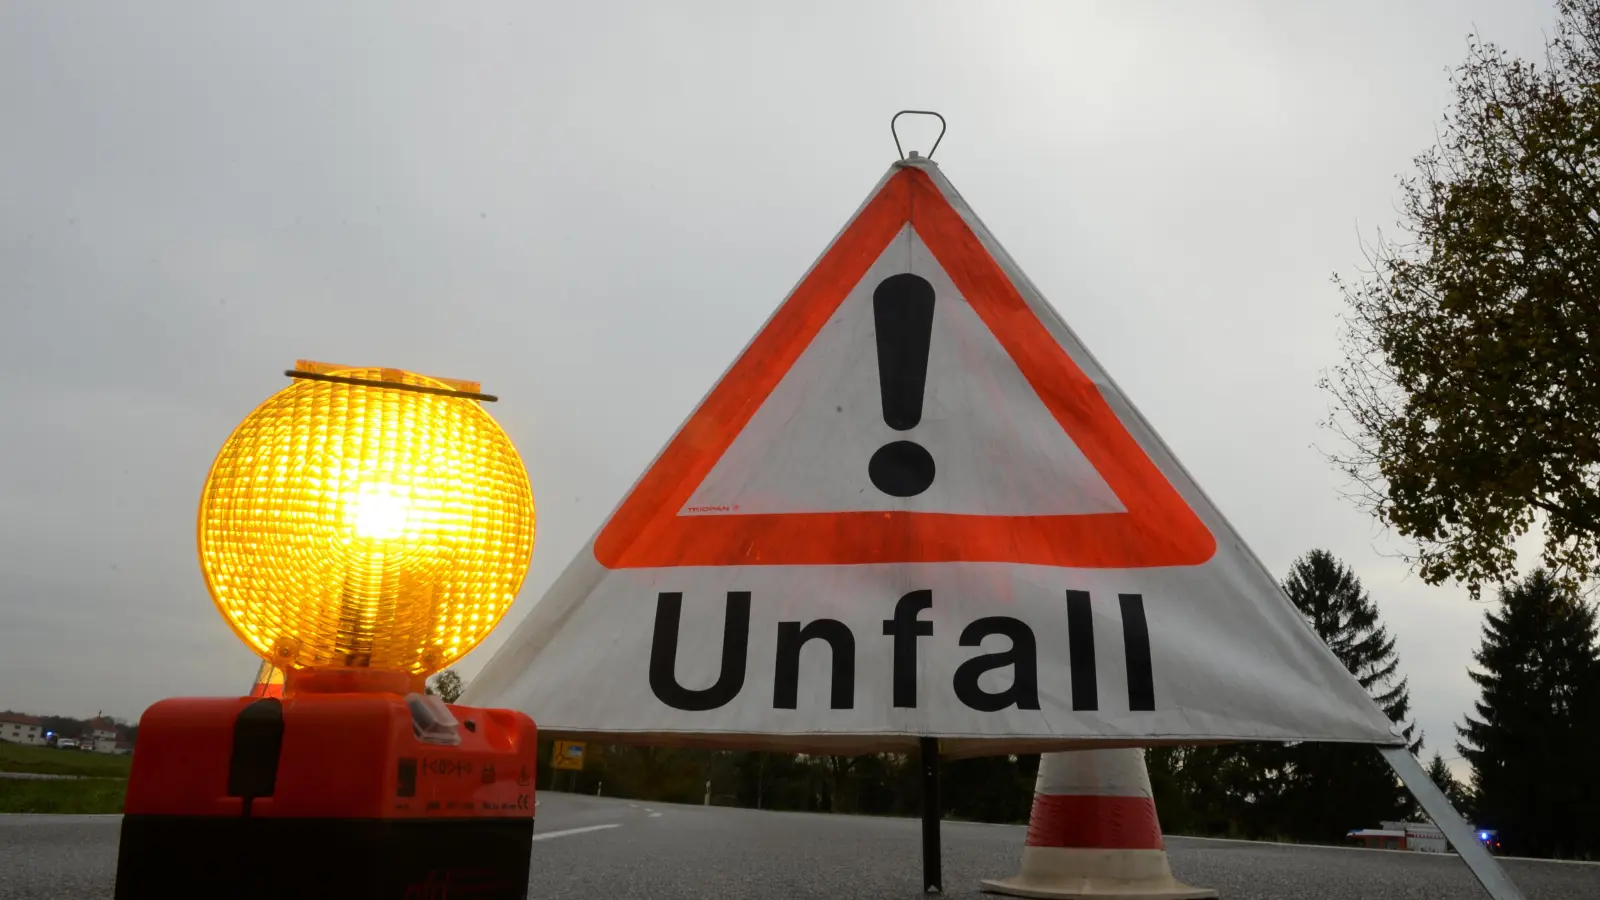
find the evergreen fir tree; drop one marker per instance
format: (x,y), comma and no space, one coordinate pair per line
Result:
(1532,743)
(1449,785)
(1328,789)
(1343,614)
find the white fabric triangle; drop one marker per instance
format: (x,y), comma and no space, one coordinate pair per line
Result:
(989,649)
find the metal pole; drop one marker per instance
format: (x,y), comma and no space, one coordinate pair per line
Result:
(932,869)
(1494,879)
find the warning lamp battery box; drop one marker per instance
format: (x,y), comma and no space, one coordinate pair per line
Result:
(327,795)
(328,756)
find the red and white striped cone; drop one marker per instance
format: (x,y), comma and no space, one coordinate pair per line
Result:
(1094,833)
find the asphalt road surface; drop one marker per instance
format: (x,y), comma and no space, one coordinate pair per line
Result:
(590,848)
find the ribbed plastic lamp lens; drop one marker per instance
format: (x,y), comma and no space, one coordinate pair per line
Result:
(366,526)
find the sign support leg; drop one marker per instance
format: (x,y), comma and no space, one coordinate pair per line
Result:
(1496,883)
(932,868)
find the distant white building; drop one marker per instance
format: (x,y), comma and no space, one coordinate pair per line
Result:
(20,729)
(103,732)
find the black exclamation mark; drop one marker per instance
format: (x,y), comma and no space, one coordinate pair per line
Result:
(902,309)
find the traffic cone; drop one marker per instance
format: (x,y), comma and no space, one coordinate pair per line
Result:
(1094,833)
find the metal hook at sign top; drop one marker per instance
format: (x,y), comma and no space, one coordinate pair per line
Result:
(916,112)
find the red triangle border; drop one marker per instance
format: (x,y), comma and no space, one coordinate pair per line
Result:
(1157,527)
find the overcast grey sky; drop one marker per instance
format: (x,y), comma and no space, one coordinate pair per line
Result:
(592,207)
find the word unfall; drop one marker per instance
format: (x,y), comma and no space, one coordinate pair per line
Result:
(903,630)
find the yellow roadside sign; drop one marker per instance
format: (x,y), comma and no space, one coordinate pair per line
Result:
(567,755)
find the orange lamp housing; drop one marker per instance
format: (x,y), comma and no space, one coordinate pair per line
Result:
(360,530)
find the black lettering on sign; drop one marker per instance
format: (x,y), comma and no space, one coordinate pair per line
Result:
(1136,644)
(905,628)
(841,644)
(664,654)
(1135,649)
(1022,657)
(489,774)
(1080,651)
(902,317)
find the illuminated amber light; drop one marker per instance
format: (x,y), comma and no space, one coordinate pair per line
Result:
(353,525)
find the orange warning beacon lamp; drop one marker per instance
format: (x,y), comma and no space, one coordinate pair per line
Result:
(360,530)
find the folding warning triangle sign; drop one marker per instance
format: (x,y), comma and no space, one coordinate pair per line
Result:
(916,506)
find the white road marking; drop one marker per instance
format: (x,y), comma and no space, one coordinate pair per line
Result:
(1217,840)
(566,831)
(1451,855)
(1564,862)
(655,815)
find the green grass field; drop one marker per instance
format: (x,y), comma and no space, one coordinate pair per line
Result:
(50,761)
(62,797)
(101,782)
